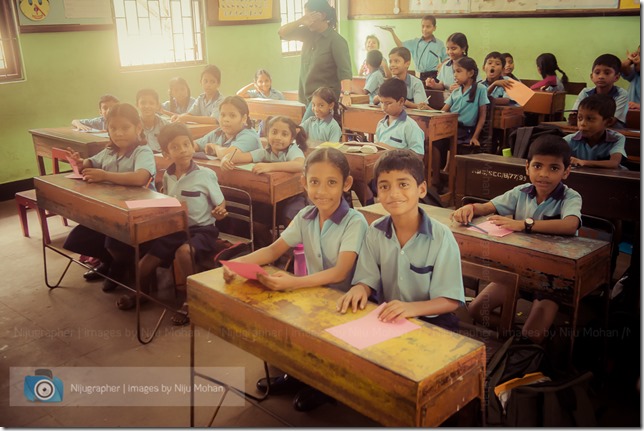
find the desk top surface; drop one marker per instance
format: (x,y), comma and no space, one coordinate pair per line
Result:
(566,247)
(567,128)
(68,133)
(413,112)
(294,103)
(415,355)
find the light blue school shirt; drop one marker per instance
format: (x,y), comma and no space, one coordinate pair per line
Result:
(266,155)
(139,157)
(97,123)
(152,134)
(618,93)
(521,203)
(611,143)
(415,89)
(198,188)
(167,105)
(404,132)
(446,74)
(634,89)
(427,267)
(427,55)
(497,92)
(373,82)
(272,94)
(207,108)
(246,140)
(322,130)
(343,231)
(468,113)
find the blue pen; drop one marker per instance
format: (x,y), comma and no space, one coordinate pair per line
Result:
(476,227)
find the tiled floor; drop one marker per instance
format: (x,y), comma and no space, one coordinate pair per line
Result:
(78,325)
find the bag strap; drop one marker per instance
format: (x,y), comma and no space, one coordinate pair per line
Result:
(498,355)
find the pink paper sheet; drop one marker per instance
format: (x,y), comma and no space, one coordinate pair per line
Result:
(519,92)
(368,330)
(74,166)
(492,229)
(246,270)
(74,176)
(153,203)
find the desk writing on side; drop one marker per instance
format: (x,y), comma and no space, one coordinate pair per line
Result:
(567,268)
(606,193)
(418,379)
(436,125)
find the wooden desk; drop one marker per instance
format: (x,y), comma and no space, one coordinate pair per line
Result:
(269,188)
(418,379)
(291,95)
(567,268)
(102,207)
(260,109)
(86,144)
(357,84)
(606,193)
(548,105)
(573,88)
(436,125)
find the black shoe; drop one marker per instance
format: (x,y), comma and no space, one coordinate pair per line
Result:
(95,274)
(309,399)
(109,285)
(279,384)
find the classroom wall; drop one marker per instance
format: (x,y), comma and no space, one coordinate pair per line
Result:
(67,72)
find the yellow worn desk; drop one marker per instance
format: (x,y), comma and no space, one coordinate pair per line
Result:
(418,379)
(86,144)
(436,125)
(260,109)
(567,268)
(102,207)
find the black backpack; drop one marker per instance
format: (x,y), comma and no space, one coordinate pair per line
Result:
(521,138)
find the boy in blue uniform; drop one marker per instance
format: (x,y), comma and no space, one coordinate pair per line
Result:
(408,260)
(604,75)
(494,81)
(399,61)
(545,206)
(206,108)
(148,104)
(98,123)
(199,189)
(376,76)
(428,52)
(594,145)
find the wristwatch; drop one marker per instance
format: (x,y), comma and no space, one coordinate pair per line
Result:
(346,93)
(529,223)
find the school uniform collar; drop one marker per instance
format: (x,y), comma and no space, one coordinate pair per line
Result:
(609,136)
(326,119)
(449,62)
(612,93)
(173,168)
(157,122)
(216,96)
(401,117)
(431,39)
(386,225)
(128,153)
(557,194)
(336,217)
(284,151)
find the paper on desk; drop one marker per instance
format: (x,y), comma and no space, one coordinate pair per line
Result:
(101,134)
(75,168)
(74,176)
(202,155)
(335,145)
(88,131)
(368,330)
(492,229)
(245,167)
(246,270)
(519,92)
(153,203)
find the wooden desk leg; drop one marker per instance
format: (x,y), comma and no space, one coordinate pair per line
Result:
(137,282)
(41,165)
(192,374)
(451,169)
(274,233)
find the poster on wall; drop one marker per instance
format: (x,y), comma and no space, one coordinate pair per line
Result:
(245,10)
(629,4)
(503,5)
(577,4)
(439,6)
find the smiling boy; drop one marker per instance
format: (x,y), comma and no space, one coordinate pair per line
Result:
(399,61)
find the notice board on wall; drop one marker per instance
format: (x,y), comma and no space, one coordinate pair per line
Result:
(236,12)
(38,16)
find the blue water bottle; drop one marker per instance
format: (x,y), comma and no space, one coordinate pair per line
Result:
(299,265)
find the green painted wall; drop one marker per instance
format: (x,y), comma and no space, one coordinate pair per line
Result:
(67,72)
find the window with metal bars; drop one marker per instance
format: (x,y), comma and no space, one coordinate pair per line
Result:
(159,32)
(10,62)
(292,10)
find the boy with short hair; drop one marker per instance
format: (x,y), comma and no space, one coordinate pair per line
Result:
(375,77)
(494,81)
(205,109)
(399,61)
(605,73)
(544,206)
(199,189)
(595,145)
(98,123)
(148,104)
(409,260)
(428,52)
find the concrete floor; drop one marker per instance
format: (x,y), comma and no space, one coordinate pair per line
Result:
(78,325)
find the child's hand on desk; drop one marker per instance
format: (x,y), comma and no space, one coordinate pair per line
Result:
(423,105)
(279,281)
(508,223)
(397,309)
(229,276)
(464,214)
(93,175)
(633,105)
(574,161)
(219,212)
(211,149)
(226,164)
(355,298)
(262,168)
(75,156)
(179,118)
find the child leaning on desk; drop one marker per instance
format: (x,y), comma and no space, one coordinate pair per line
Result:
(98,123)
(235,131)
(179,101)
(261,87)
(332,234)
(399,61)
(595,145)
(408,260)
(199,189)
(126,161)
(545,206)
(206,108)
